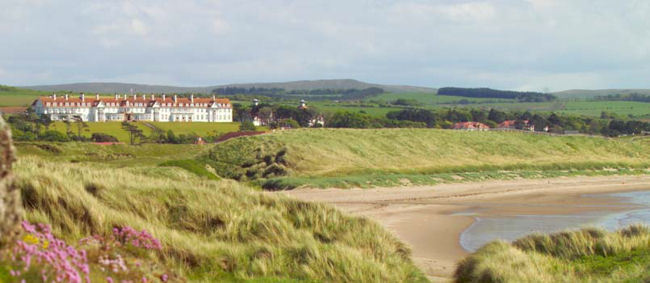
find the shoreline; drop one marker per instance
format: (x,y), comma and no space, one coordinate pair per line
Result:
(431,218)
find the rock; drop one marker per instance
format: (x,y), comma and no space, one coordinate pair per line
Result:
(10,206)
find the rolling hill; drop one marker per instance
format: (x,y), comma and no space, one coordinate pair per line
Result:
(113,87)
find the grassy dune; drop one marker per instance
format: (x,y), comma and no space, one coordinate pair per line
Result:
(589,255)
(118,155)
(319,156)
(219,230)
(179,128)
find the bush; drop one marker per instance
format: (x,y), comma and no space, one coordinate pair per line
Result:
(101,137)
(54,136)
(247,126)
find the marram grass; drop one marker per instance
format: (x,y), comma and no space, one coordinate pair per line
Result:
(354,157)
(213,230)
(587,255)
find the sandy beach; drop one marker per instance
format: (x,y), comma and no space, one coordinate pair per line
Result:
(431,218)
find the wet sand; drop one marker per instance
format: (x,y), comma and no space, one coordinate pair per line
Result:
(431,218)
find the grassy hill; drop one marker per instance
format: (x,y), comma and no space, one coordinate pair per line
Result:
(210,230)
(14,96)
(353,157)
(589,255)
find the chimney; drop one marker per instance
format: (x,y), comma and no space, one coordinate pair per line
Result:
(82,96)
(153,97)
(164,97)
(54,96)
(214,98)
(117,96)
(66,96)
(135,97)
(144,97)
(96,96)
(175,98)
(192,98)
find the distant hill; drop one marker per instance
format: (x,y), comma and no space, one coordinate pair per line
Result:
(589,93)
(111,87)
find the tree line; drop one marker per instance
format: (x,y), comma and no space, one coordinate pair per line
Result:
(527,96)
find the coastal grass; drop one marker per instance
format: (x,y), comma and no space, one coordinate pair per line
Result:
(359,156)
(212,230)
(115,129)
(587,255)
(116,155)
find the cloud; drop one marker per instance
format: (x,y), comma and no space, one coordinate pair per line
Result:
(499,43)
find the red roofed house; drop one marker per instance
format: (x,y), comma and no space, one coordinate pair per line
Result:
(135,108)
(511,124)
(471,126)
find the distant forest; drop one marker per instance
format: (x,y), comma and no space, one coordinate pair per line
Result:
(493,93)
(313,94)
(625,97)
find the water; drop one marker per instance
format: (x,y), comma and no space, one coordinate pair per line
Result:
(487,229)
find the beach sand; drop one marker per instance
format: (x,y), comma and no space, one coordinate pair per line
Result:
(431,218)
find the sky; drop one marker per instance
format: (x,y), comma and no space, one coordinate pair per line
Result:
(537,45)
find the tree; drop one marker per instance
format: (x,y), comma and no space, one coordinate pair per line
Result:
(265,114)
(171,137)
(101,137)
(135,133)
(497,116)
(247,126)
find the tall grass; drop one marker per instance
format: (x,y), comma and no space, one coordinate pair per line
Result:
(346,153)
(212,230)
(588,255)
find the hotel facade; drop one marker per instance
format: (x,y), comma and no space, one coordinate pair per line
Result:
(134,108)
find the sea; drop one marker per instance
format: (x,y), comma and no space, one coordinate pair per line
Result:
(487,229)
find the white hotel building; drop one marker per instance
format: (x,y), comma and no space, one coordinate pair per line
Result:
(135,108)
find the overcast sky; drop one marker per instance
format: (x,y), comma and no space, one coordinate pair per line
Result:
(510,44)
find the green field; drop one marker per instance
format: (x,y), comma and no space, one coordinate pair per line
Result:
(329,155)
(13,96)
(588,255)
(431,99)
(594,108)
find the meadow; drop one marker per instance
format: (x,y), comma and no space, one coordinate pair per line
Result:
(588,255)
(327,157)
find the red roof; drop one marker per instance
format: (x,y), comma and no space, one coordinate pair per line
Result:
(510,123)
(470,125)
(147,101)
